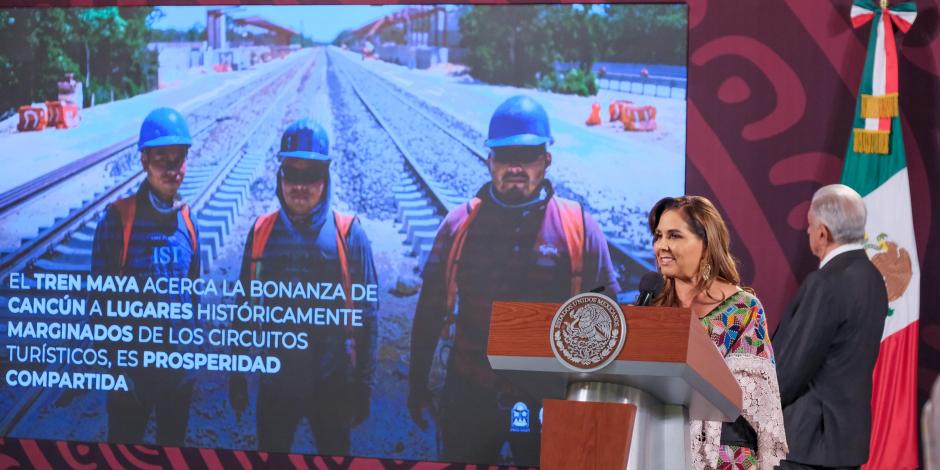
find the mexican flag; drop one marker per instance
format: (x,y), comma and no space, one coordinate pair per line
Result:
(876,167)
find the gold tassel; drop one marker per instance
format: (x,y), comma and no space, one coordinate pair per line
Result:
(880,106)
(867,141)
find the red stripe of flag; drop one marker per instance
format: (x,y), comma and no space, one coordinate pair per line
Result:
(902,24)
(894,403)
(891,66)
(859,20)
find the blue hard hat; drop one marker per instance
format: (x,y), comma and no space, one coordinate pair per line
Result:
(520,120)
(305,139)
(164,126)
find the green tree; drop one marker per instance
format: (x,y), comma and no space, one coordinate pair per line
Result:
(33,57)
(104,47)
(652,34)
(96,29)
(521,46)
(117,64)
(196,33)
(579,34)
(508,44)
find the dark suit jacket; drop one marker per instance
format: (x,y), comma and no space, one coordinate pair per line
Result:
(825,347)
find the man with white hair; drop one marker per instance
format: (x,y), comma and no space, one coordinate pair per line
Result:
(828,340)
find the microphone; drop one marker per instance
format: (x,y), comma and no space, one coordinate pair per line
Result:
(597,290)
(650,285)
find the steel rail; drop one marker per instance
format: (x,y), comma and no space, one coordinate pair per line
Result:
(35,247)
(19,410)
(431,185)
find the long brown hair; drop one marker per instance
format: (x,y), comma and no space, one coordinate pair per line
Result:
(706,223)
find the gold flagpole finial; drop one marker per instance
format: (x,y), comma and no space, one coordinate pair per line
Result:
(884,4)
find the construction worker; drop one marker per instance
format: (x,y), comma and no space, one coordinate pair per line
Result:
(515,241)
(152,234)
(330,381)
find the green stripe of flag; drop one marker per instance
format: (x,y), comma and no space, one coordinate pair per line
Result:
(904,7)
(865,172)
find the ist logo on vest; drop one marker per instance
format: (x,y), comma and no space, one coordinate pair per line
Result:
(163,255)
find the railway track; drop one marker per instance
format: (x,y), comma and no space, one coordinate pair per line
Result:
(216,187)
(426,192)
(65,244)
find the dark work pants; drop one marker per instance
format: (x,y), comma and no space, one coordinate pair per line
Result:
(281,407)
(160,392)
(475,424)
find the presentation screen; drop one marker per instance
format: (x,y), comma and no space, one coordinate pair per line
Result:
(282,228)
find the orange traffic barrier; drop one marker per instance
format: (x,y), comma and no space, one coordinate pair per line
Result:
(615,107)
(68,116)
(55,113)
(32,118)
(595,118)
(62,114)
(638,118)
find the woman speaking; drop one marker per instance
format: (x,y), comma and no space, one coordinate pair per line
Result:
(691,244)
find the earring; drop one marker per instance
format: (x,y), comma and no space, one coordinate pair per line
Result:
(706,272)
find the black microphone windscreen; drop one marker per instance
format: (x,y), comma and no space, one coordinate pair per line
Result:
(651,282)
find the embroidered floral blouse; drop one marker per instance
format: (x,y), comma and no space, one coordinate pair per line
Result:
(738,328)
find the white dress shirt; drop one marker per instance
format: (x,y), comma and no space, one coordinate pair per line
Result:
(838,251)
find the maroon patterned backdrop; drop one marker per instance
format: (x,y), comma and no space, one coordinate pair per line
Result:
(772,89)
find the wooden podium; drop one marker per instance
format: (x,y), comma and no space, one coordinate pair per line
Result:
(634,412)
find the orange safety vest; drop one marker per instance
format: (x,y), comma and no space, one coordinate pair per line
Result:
(262,231)
(127,209)
(572,221)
